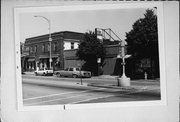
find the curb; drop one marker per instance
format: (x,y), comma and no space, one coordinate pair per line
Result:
(106,77)
(137,90)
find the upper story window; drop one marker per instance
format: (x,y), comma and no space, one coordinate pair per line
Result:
(76,45)
(35,48)
(55,46)
(72,45)
(48,47)
(43,48)
(67,45)
(30,49)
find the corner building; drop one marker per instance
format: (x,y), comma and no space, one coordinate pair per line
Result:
(39,49)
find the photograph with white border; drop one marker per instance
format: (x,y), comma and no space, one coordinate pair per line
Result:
(90,55)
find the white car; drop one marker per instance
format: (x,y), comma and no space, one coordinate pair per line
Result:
(44,72)
(73,72)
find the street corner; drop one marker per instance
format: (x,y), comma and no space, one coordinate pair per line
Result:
(115,86)
(133,89)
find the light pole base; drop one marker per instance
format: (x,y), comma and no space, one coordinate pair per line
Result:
(124,81)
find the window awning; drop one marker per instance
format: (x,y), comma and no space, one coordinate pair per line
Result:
(43,57)
(31,60)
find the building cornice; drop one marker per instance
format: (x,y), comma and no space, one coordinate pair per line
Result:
(55,36)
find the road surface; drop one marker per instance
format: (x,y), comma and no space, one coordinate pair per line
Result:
(65,93)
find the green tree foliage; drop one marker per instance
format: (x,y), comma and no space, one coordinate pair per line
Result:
(143,39)
(89,50)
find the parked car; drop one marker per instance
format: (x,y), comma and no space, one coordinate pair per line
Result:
(73,72)
(44,72)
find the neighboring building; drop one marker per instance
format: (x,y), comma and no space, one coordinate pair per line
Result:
(111,64)
(37,50)
(135,69)
(70,59)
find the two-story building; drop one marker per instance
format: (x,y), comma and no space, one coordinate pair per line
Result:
(38,49)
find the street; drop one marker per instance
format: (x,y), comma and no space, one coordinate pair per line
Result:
(50,90)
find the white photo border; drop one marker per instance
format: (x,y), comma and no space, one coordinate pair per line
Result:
(109,6)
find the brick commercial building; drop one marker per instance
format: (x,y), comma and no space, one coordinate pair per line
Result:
(35,53)
(36,50)
(111,64)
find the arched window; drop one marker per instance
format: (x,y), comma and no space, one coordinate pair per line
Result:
(35,48)
(55,46)
(48,47)
(30,49)
(43,48)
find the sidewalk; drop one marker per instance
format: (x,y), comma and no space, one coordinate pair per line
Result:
(106,77)
(149,87)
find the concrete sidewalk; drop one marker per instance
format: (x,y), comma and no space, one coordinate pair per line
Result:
(106,77)
(149,87)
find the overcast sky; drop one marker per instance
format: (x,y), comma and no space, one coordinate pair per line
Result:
(120,21)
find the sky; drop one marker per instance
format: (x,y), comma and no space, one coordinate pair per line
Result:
(119,20)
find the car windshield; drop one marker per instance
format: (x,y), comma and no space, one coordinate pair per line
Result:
(77,69)
(70,69)
(66,69)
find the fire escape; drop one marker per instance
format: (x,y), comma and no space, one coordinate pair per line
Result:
(107,33)
(112,36)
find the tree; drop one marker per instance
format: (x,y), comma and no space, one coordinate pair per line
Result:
(90,49)
(143,40)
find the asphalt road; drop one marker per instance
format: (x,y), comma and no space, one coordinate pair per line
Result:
(64,93)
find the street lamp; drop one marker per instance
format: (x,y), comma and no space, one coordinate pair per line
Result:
(123,58)
(123,80)
(50,39)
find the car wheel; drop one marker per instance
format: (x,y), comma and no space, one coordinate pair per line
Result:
(74,76)
(58,75)
(36,73)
